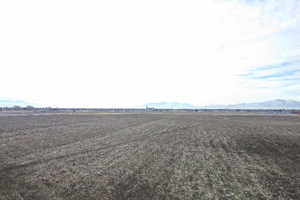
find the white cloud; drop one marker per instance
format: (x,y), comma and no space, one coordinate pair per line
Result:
(128,53)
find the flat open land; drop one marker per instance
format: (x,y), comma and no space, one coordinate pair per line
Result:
(143,156)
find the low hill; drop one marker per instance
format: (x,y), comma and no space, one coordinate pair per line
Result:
(170,105)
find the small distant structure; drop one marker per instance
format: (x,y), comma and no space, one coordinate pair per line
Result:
(149,109)
(295,112)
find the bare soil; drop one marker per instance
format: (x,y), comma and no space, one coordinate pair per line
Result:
(142,156)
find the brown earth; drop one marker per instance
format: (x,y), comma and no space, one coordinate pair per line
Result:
(149,156)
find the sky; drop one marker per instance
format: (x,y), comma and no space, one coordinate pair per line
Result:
(71,53)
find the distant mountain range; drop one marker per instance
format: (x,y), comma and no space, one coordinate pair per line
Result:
(273,104)
(12,103)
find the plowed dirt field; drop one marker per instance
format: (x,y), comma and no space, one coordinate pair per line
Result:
(149,156)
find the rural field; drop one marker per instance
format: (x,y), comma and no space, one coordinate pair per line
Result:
(143,156)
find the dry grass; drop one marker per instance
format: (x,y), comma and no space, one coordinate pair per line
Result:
(149,156)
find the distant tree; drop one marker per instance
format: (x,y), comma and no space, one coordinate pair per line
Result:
(29,107)
(17,107)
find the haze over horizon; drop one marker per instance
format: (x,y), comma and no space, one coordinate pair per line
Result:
(125,54)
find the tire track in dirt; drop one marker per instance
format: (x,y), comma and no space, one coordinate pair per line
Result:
(84,147)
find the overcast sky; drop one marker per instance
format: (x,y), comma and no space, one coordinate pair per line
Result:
(71,53)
